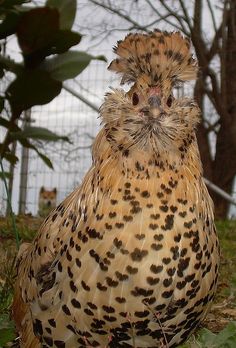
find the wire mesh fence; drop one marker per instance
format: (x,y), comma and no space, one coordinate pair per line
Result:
(66,115)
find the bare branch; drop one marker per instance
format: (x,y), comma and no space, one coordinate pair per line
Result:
(136,25)
(212,14)
(173,14)
(214,94)
(211,127)
(185,11)
(214,49)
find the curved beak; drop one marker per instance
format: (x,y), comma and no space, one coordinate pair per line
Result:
(155,105)
(154,101)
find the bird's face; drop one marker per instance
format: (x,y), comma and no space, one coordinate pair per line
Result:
(148,117)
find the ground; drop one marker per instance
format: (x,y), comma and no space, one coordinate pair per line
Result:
(217,331)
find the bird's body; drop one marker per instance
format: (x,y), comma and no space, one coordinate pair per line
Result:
(130,258)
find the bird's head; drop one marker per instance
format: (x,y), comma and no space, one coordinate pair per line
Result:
(148,117)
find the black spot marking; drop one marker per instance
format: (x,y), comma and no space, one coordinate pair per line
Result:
(121,276)
(120,299)
(75,303)
(167,294)
(131,270)
(156,269)
(66,309)
(101,287)
(153,226)
(152,281)
(37,327)
(145,194)
(138,254)
(166,260)
(141,292)
(140,236)
(112,283)
(156,247)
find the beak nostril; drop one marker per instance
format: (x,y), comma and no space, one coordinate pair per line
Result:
(154,101)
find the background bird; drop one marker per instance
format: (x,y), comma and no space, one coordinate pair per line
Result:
(130,258)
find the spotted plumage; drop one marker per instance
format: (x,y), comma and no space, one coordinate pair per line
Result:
(130,258)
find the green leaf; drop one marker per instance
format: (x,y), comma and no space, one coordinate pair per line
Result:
(67,11)
(36,30)
(63,40)
(9,24)
(38,133)
(32,87)
(45,159)
(68,65)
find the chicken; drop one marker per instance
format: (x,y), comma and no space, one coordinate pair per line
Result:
(130,258)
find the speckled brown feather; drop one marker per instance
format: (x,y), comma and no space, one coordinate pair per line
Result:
(130,258)
(159,55)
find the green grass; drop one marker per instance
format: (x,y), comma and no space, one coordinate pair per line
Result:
(219,328)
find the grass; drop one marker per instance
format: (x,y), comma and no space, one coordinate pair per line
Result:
(219,328)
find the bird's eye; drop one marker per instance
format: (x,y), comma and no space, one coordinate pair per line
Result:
(135,99)
(169,101)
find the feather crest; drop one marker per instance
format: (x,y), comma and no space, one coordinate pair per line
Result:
(160,55)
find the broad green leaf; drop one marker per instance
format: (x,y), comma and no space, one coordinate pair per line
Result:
(63,40)
(67,11)
(38,133)
(36,29)
(68,65)
(45,159)
(32,87)
(9,24)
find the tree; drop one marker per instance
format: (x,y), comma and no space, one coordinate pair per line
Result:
(215,48)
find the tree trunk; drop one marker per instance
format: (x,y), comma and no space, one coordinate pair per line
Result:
(202,133)
(225,161)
